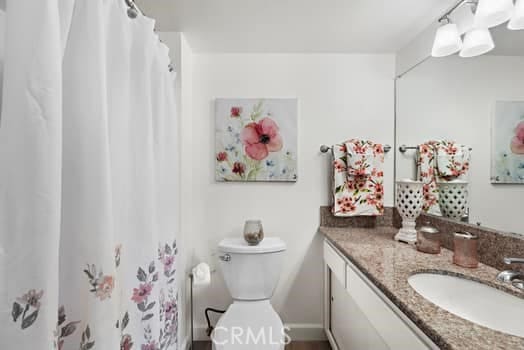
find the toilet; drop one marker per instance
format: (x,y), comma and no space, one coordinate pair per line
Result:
(251,274)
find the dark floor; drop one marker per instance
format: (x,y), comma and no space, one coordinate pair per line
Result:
(297,345)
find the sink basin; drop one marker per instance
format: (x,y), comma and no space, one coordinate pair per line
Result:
(473,301)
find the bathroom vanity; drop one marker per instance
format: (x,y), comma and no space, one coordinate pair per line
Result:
(369,303)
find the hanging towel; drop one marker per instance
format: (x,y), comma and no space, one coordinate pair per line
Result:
(358,195)
(426,173)
(440,161)
(360,157)
(452,160)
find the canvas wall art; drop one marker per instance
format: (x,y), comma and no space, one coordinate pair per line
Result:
(508,143)
(256,140)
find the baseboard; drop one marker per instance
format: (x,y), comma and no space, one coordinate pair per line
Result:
(200,333)
(306,331)
(185,345)
(331,340)
(297,331)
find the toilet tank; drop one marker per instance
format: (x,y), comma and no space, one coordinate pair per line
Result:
(251,272)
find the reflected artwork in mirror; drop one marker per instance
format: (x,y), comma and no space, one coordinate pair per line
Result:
(462,124)
(507,162)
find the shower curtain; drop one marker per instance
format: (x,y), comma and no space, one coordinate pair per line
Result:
(88,180)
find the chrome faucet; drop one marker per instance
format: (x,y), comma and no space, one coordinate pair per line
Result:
(516,278)
(509,261)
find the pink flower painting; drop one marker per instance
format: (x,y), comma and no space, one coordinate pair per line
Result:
(256,140)
(507,158)
(517,142)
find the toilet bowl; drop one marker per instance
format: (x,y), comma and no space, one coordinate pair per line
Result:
(251,274)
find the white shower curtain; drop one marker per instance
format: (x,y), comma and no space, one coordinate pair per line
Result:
(88,180)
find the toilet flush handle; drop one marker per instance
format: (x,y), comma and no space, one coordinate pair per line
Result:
(225,257)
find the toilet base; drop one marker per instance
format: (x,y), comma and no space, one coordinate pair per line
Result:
(252,325)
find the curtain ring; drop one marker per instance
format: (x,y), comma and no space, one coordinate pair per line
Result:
(132,11)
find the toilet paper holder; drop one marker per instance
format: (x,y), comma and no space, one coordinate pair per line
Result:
(193,278)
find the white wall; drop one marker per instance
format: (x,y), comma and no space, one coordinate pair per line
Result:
(340,96)
(3,20)
(454,98)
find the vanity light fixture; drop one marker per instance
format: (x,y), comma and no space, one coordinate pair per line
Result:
(517,20)
(477,42)
(447,40)
(491,13)
(473,19)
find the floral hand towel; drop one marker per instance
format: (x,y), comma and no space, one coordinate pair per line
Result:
(426,174)
(360,157)
(358,195)
(439,161)
(452,160)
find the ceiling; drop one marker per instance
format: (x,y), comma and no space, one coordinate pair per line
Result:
(336,26)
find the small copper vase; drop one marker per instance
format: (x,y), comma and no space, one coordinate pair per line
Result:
(465,251)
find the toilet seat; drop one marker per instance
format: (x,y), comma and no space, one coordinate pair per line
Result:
(252,325)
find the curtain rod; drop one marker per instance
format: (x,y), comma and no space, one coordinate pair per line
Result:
(133,11)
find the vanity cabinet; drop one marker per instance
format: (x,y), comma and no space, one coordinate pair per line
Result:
(358,316)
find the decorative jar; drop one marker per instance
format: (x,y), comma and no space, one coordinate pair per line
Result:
(409,205)
(453,198)
(253,232)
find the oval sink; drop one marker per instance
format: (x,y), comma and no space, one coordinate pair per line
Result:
(473,301)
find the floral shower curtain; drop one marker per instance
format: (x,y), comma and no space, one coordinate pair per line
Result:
(88,180)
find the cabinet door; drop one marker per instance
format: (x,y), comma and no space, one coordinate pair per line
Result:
(335,262)
(349,326)
(395,332)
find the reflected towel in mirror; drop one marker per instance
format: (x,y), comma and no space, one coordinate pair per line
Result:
(439,161)
(452,160)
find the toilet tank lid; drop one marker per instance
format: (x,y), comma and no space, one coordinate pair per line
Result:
(240,246)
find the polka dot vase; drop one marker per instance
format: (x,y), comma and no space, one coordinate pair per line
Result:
(453,199)
(409,205)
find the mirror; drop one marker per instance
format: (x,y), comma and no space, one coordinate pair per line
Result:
(478,104)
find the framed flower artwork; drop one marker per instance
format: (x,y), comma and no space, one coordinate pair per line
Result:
(507,161)
(256,140)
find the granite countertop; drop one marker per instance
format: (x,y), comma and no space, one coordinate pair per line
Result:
(388,264)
